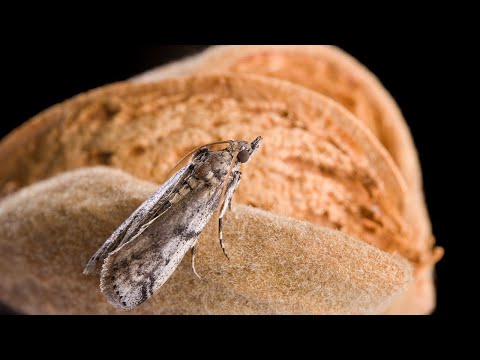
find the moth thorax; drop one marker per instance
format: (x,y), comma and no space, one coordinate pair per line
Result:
(206,170)
(226,155)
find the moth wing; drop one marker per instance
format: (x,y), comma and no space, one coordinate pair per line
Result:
(143,212)
(135,270)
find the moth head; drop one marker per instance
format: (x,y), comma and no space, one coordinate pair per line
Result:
(246,150)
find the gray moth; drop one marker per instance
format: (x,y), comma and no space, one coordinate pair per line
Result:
(144,251)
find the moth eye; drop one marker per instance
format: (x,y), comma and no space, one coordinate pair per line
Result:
(243,156)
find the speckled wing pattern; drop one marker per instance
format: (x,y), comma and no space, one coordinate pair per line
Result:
(125,231)
(146,249)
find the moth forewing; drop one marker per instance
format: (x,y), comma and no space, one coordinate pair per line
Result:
(139,217)
(139,267)
(147,248)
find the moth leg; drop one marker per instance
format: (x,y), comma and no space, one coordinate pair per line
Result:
(220,237)
(231,198)
(227,205)
(194,249)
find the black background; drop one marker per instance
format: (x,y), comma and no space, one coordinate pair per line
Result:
(39,75)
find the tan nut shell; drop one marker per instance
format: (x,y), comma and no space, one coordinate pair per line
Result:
(332,72)
(322,68)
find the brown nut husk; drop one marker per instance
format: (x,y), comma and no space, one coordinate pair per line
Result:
(278,265)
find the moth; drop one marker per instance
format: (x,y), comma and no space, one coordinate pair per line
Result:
(140,256)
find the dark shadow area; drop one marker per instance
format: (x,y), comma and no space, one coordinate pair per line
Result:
(5,310)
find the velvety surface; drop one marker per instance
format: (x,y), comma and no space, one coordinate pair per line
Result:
(278,265)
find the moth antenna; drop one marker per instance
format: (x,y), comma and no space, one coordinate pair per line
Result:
(224,190)
(192,152)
